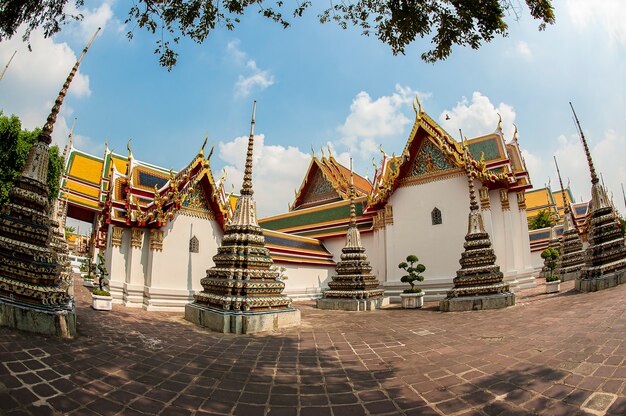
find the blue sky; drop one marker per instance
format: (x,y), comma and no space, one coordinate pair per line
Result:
(317,85)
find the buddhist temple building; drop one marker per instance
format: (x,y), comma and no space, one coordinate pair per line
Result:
(35,286)
(160,229)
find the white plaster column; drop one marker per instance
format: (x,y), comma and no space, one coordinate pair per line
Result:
(115,261)
(485,206)
(526,271)
(508,263)
(134,284)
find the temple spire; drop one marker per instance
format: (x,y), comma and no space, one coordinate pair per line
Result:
(7,65)
(594,177)
(352,209)
(46,133)
(624,195)
(470,180)
(566,207)
(246,187)
(68,145)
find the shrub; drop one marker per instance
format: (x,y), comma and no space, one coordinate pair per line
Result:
(414,271)
(99,292)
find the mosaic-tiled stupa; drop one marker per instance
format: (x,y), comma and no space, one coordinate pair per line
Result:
(479,283)
(34,289)
(572,255)
(242,293)
(353,287)
(605,257)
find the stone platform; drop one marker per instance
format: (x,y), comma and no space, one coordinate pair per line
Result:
(569,276)
(59,323)
(352,304)
(475,303)
(241,322)
(601,283)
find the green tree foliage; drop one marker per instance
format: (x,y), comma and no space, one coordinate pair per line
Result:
(543,219)
(414,271)
(397,23)
(550,255)
(15,144)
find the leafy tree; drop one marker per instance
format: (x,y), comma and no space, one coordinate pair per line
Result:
(414,271)
(543,219)
(15,144)
(397,23)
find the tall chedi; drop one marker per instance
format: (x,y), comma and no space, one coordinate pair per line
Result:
(479,283)
(571,254)
(353,288)
(605,258)
(242,293)
(34,296)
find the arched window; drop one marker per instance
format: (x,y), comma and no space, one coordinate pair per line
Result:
(435,215)
(194,245)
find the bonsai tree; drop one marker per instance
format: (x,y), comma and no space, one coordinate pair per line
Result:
(550,255)
(414,271)
(102,280)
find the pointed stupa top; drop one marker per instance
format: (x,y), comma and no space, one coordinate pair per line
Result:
(470,180)
(353,237)
(566,206)
(46,133)
(68,145)
(594,177)
(246,187)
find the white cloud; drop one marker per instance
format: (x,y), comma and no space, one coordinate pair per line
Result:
(608,157)
(523,50)
(34,79)
(371,120)
(94,18)
(277,171)
(477,118)
(255,78)
(608,14)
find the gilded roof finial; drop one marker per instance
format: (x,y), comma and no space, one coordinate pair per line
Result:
(565,203)
(130,152)
(313,152)
(106,145)
(330,152)
(470,180)
(419,105)
(206,139)
(515,133)
(211,151)
(46,133)
(374,164)
(322,150)
(594,177)
(382,151)
(7,65)
(499,121)
(246,187)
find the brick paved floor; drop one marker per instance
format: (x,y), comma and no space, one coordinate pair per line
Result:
(558,354)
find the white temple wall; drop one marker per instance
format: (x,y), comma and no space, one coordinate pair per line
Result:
(438,247)
(115,262)
(136,263)
(305,281)
(175,272)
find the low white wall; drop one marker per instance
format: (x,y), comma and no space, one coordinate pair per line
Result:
(305,281)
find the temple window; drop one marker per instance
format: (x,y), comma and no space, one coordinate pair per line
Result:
(194,245)
(435,215)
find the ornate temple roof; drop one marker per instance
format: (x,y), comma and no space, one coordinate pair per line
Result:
(431,153)
(545,198)
(327,180)
(129,191)
(289,248)
(321,221)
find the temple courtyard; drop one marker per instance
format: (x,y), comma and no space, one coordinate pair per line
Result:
(562,354)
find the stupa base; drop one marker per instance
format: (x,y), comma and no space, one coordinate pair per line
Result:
(370,304)
(477,303)
(568,275)
(601,283)
(236,322)
(58,323)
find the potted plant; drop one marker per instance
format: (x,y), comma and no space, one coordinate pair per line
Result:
(101,298)
(413,297)
(553,283)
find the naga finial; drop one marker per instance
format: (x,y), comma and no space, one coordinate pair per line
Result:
(322,150)
(330,151)
(499,122)
(515,133)
(211,151)
(313,152)
(130,152)
(417,106)
(374,164)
